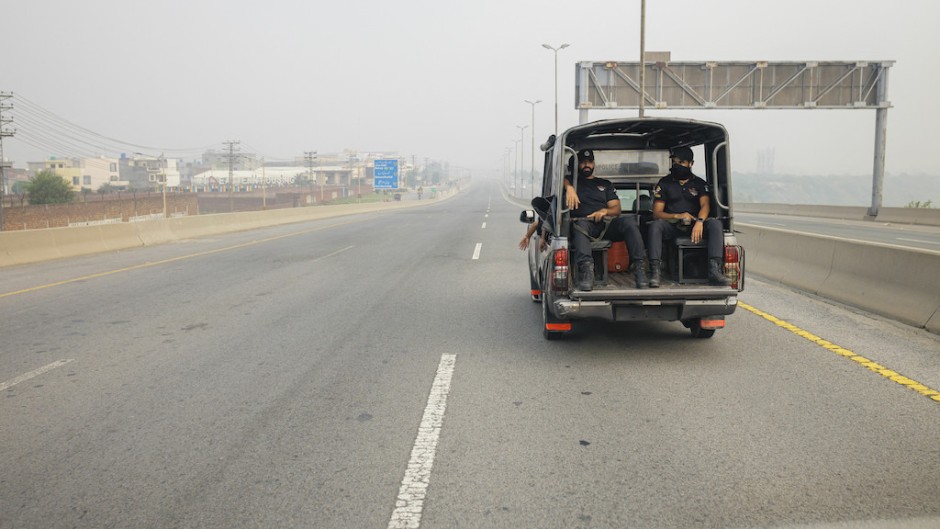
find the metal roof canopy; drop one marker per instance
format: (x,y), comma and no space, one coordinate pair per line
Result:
(744,85)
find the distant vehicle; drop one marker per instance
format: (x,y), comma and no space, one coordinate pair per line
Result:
(634,154)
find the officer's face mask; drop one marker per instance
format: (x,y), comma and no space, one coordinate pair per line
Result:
(681,172)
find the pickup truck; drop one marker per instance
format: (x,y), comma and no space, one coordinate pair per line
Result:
(633,154)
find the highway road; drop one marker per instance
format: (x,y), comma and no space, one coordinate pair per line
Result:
(387,370)
(905,235)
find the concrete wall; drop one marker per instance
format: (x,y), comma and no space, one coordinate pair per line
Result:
(30,246)
(95,210)
(900,284)
(923,216)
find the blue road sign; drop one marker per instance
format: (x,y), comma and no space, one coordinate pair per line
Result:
(385,174)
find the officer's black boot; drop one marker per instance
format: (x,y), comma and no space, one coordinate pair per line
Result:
(639,273)
(655,273)
(586,276)
(715,274)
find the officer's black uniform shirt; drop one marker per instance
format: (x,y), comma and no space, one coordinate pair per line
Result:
(594,194)
(680,198)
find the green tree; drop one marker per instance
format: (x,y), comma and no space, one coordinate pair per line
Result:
(19,188)
(917,204)
(47,188)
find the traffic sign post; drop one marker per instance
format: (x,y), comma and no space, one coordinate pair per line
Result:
(385,174)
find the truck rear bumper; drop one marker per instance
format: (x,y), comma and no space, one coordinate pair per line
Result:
(644,310)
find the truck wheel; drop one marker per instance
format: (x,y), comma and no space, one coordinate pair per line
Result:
(698,331)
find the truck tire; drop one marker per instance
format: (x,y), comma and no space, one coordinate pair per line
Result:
(698,332)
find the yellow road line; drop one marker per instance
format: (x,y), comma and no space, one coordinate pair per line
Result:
(171,260)
(893,376)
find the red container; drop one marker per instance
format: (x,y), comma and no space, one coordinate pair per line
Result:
(617,258)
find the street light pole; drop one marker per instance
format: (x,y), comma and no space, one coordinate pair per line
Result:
(642,56)
(532,174)
(521,152)
(506,157)
(556,50)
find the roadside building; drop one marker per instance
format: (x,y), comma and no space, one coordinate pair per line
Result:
(145,173)
(87,174)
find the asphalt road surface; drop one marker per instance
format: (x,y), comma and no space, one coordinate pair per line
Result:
(387,370)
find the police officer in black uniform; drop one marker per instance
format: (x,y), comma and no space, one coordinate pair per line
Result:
(680,207)
(595,199)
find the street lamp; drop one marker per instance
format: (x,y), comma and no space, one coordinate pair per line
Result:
(556,50)
(521,151)
(532,174)
(642,56)
(506,157)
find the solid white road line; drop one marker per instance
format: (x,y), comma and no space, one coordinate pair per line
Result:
(34,373)
(414,486)
(476,250)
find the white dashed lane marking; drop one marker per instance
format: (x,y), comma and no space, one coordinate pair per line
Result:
(476,250)
(414,486)
(34,373)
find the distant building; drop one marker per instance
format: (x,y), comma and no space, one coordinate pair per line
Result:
(246,180)
(220,160)
(146,173)
(82,173)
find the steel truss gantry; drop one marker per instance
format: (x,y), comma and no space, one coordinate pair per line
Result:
(743,85)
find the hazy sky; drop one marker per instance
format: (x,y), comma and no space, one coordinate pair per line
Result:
(446,79)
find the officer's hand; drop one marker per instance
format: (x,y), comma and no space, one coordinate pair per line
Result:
(571,199)
(697,232)
(598,215)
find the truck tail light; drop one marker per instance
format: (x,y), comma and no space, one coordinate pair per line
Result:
(560,269)
(734,266)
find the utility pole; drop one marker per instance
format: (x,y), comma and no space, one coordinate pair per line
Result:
(309,157)
(264,187)
(163,165)
(231,156)
(4,133)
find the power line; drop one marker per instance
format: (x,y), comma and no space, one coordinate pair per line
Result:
(4,133)
(231,156)
(58,132)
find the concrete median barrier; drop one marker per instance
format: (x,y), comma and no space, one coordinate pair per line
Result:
(73,242)
(22,247)
(31,246)
(894,282)
(790,258)
(921,216)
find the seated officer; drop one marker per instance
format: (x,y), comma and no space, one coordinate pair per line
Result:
(595,199)
(680,207)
